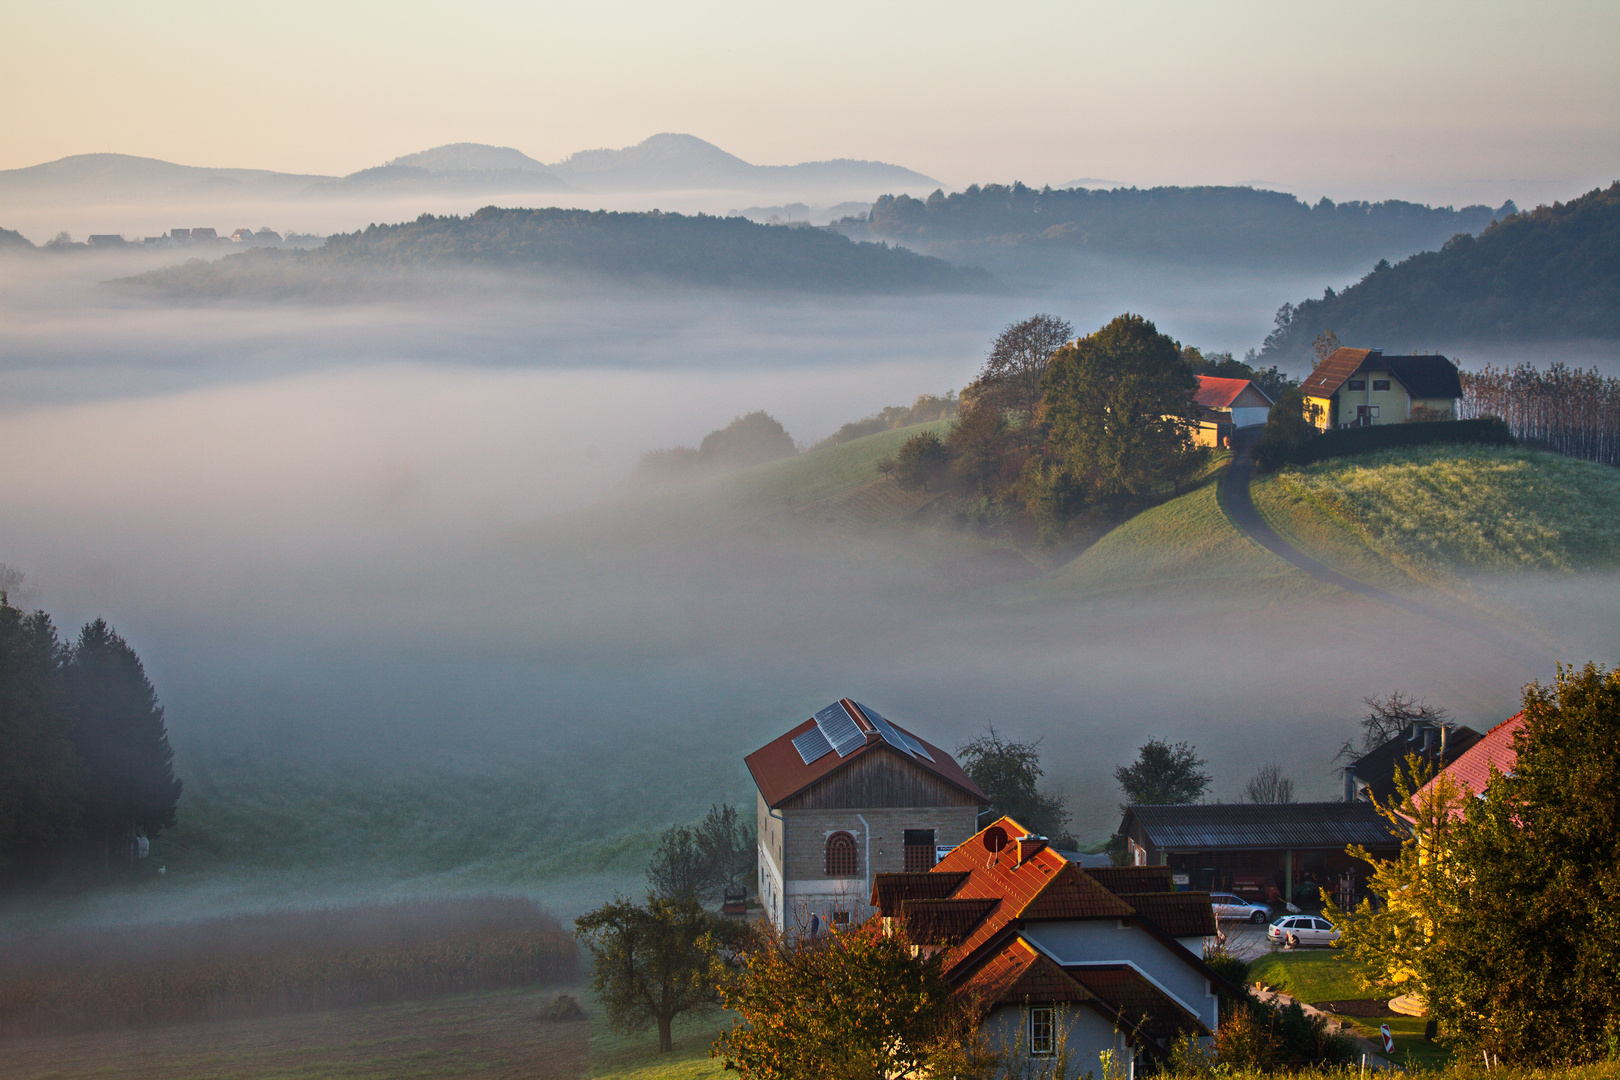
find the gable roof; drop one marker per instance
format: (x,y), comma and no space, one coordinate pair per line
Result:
(943,922)
(1017,972)
(1376,768)
(890,890)
(1472,768)
(1430,376)
(1133,879)
(780,771)
(1214,393)
(1261,826)
(1141,1006)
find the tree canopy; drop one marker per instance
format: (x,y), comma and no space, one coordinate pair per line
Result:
(1118,403)
(1012,375)
(1163,774)
(1009,772)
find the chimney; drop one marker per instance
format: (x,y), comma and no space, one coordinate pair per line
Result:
(1028,846)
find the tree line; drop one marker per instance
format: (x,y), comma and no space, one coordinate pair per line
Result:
(643,248)
(87,774)
(1550,274)
(1228,223)
(1562,409)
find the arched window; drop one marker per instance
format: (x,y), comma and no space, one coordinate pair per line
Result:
(841,860)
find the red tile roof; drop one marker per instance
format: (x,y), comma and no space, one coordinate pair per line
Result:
(1472,769)
(1427,376)
(780,773)
(1216,393)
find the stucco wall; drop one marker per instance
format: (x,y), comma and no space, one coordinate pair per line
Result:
(1086,1034)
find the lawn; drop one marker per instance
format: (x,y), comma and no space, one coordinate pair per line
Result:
(1317,975)
(635,1057)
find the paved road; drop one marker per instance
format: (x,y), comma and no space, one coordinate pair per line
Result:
(1239,506)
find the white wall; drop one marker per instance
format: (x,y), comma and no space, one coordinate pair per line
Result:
(1249,416)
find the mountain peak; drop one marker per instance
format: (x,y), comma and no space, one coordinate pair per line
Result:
(470,157)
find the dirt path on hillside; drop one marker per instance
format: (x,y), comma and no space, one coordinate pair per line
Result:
(1239,507)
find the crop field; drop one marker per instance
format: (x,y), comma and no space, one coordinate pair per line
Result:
(222,969)
(493,1034)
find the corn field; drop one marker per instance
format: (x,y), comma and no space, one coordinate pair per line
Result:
(1562,409)
(258,965)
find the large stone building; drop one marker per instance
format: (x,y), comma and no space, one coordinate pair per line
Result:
(847,795)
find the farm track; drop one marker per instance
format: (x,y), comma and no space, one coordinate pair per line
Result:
(1238,504)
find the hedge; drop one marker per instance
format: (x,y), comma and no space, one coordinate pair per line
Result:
(1344,442)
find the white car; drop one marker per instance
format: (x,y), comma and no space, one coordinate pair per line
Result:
(1308,929)
(1229,906)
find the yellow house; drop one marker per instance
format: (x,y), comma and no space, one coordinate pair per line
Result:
(1360,387)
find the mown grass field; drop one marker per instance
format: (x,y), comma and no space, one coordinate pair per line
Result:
(1462,509)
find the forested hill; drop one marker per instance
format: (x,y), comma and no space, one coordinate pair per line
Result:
(648,248)
(1200,223)
(1549,274)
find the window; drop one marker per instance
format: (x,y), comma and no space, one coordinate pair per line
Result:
(841,861)
(840,918)
(1380,384)
(919,850)
(1041,1034)
(1356,384)
(1374,412)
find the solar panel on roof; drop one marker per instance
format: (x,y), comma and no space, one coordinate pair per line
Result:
(846,737)
(889,734)
(812,745)
(917,747)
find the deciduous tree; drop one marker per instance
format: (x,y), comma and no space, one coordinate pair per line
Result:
(1118,403)
(656,962)
(922,460)
(1010,772)
(1269,785)
(1011,377)
(1163,774)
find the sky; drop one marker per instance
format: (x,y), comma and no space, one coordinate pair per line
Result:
(1442,102)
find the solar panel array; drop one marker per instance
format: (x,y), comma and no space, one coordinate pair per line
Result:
(812,745)
(893,736)
(842,732)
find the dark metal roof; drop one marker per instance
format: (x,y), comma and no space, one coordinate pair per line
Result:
(1251,826)
(1376,768)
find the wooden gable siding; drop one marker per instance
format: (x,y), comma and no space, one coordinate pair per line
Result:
(879,778)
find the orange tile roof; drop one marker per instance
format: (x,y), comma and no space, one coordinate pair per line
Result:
(1472,769)
(1331,373)
(1016,973)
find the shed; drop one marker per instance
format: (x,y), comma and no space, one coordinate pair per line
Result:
(1265,850)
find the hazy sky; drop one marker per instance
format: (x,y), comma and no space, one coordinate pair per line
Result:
(1448,102)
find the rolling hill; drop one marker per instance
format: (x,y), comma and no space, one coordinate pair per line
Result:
(653,248)
(1550,274)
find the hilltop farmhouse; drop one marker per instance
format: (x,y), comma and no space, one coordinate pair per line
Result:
(846,795)
(1107,961)
(1362,387)
(1221,406)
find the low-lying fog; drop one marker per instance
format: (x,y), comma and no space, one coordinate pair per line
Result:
(362,554)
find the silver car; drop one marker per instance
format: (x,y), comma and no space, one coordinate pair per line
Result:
(1307,929)
(1229,906)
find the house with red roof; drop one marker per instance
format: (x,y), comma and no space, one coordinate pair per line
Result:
(1224,405)
(847,795)
(1472,769)
(1102,960)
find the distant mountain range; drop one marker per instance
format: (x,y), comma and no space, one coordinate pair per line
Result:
(666,162)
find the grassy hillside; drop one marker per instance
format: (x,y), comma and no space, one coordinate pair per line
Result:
(1463,509)
(1424,517)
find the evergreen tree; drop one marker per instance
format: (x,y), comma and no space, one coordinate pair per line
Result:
(129,782)
(40,788)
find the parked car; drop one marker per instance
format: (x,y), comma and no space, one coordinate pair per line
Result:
(1309,929)
(1229,906)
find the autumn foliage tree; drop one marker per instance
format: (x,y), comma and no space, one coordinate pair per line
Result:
(851,1006)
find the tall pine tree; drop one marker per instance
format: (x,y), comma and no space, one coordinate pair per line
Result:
(40,787)
(129,782)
